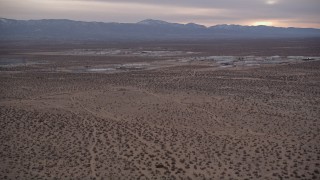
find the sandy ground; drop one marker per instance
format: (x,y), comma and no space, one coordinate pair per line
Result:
(182,120)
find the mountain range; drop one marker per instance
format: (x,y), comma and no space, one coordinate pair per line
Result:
(63,29)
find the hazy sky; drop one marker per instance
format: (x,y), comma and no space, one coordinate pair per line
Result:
(298,13)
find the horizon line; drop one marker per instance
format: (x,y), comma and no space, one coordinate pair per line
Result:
(157,20)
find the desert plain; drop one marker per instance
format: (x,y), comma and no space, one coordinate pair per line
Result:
(199,110)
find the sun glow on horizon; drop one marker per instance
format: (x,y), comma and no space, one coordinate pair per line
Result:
(262,23)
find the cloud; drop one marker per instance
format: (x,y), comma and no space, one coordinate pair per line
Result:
(208,12)
(271,2)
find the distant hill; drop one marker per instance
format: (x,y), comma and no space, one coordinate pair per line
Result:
(63,29)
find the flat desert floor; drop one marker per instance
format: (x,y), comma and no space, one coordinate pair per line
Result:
(158,113)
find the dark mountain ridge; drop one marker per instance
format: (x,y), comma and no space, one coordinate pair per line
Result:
(64,29)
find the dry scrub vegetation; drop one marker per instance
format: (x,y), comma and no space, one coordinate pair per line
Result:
(179,122)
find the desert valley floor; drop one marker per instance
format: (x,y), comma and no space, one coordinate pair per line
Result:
(158,113)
